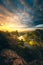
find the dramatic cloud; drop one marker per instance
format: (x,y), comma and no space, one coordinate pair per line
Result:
(21,13)
(35,8)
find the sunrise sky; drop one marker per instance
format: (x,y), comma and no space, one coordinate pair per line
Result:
(21,14)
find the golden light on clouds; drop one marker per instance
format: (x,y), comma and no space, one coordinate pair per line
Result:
(16,20)
(10,23)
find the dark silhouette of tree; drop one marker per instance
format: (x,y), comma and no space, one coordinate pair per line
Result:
(17,33)
(21,42)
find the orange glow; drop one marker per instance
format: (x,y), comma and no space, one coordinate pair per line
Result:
(10,27)
(31,42)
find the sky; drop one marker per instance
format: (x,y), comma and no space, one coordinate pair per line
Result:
(21,14)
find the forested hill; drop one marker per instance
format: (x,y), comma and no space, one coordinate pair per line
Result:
(14,52)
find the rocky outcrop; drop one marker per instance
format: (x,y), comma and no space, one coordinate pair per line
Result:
(9,57)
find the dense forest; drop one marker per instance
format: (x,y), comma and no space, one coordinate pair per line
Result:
(21,48)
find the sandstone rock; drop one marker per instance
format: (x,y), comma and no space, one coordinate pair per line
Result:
(9,57)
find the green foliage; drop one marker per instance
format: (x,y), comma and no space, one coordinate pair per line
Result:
(21,43)
(28,53)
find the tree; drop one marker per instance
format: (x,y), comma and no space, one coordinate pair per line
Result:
(21,42)
(17,33)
